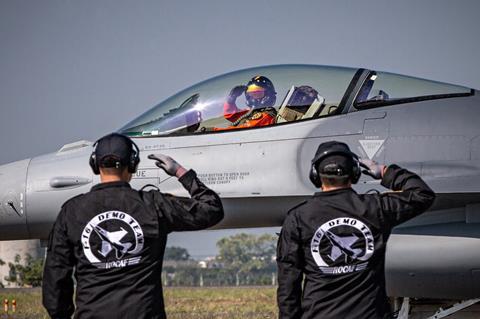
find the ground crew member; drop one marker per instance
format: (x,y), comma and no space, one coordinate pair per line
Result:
(113,237)
(260,96)
(337,238)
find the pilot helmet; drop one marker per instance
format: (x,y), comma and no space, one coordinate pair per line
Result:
(260,92)
(303,96)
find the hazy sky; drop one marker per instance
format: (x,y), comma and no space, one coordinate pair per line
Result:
(72,70)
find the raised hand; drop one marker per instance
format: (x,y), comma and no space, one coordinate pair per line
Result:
(168,164)
(372,168)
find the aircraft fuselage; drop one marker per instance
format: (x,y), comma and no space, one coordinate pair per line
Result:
(262,172)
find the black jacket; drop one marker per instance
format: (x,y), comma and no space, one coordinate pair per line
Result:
(114,238)
(337,239)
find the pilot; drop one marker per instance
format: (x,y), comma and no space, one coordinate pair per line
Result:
(112,239)
(337,238)
(260,96)
(303,97)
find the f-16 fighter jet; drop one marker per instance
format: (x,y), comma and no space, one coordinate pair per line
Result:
(428,127)
(111,240)
(342,246)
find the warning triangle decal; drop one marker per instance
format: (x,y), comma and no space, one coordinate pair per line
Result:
(371,147)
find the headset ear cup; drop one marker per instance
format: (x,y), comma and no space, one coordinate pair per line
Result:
(314,177)
(93,164)
(93,160)
(134,158)
(132,165)
(356,171)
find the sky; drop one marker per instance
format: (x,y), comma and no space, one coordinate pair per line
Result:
(74,70)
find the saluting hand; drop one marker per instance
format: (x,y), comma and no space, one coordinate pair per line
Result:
(237,91)
(372,168)
(168,164)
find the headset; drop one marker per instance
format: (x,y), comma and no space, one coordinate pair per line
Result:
(334,169)
(132,162)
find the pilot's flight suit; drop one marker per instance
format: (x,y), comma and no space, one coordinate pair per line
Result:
(114,237)
(338,240)
(255,118)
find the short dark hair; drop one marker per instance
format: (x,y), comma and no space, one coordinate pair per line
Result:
(111,162)
(336,181)
(112,165)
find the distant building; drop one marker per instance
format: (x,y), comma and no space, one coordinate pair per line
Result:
(179,263)
(210,263)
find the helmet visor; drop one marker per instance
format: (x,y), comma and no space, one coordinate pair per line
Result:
(256,92)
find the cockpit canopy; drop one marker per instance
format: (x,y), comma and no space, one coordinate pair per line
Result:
(301,92)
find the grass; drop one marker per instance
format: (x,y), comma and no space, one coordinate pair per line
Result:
(29,303)
(181,303)
(224,302)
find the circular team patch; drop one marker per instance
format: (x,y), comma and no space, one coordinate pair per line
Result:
(110,239)
(342,245)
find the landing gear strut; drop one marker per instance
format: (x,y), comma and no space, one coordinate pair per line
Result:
(404,311)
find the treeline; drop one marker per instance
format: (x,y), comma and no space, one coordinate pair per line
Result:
(242,260)
(24,273)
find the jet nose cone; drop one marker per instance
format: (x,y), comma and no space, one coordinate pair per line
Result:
(13,178)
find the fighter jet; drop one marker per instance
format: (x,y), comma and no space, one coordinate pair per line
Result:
(260,171)
(342,246)
(111,241)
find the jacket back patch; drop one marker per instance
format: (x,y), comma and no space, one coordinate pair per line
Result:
(342,245)
(112,239)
